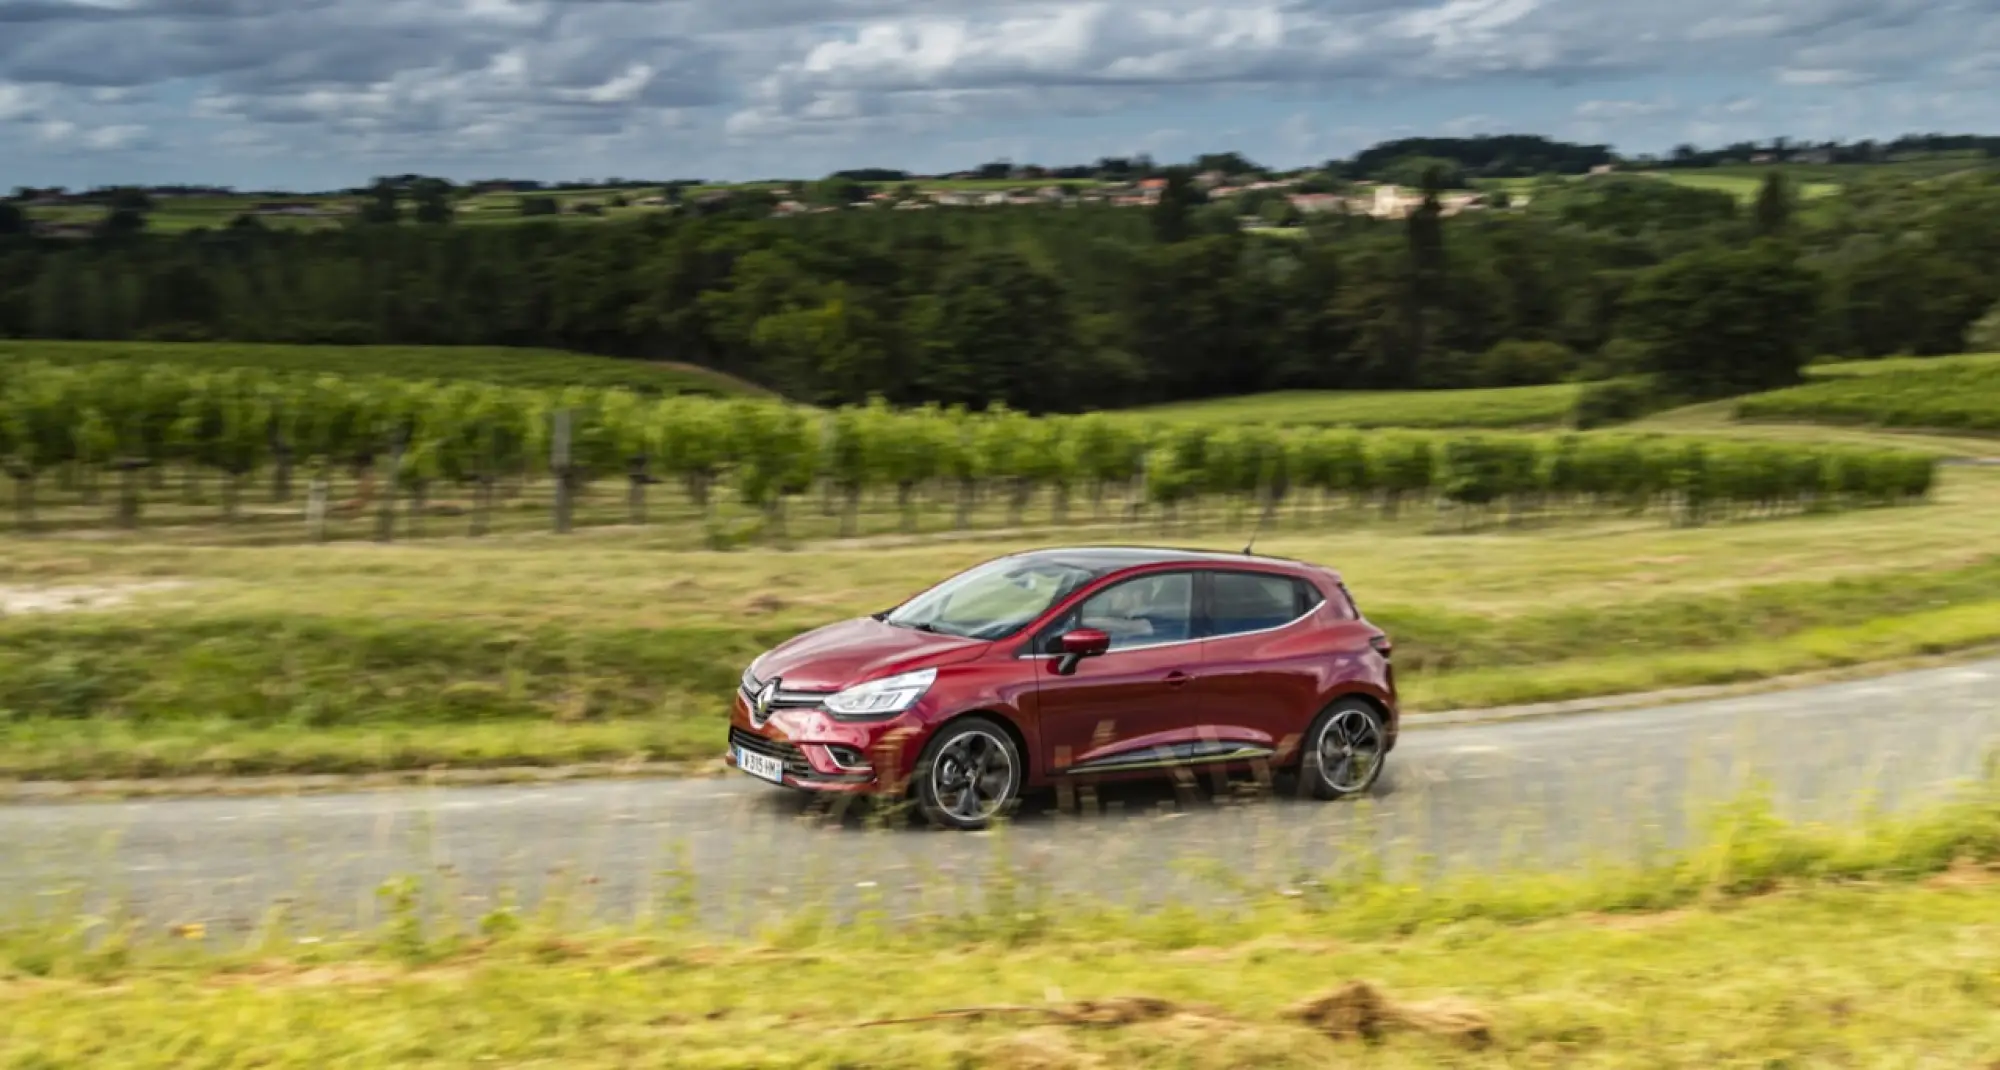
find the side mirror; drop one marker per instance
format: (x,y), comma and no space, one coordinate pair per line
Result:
(1079,644)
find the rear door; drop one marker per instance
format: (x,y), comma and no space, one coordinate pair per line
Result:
(1128,707)
(1263,662)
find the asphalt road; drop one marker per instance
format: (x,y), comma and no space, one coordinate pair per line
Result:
(1526,793)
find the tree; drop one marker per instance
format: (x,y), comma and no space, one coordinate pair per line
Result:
(1719,321)
(1425,172)
(1984,336)
(1229,163)
(12,219)
(129,197)
(539,206)
(1170,215)
(1774,205)
(1520,363)
(433,197)
(122,222)
(381,206)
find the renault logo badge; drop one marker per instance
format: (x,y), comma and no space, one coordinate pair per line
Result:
(762,709)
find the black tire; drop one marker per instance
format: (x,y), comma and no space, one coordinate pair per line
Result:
(943,776)
(1332,753)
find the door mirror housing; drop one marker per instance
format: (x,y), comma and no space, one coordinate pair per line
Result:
(1078,644)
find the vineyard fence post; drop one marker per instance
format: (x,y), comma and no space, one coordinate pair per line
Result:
(559,466)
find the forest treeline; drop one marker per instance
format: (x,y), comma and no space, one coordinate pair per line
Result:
(1093,306)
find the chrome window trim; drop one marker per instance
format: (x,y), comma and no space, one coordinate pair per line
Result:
(1321,604)
(1316,606)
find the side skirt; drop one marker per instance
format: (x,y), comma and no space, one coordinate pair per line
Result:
(1182,754)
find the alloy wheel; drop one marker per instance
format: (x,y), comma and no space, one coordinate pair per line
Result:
(1348,750)
(973,776)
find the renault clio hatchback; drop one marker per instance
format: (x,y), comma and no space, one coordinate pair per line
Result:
(1089,663)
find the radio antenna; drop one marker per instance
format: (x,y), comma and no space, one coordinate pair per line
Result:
(1254,532)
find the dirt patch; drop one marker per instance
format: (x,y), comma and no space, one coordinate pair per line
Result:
(1639,923)
(1115,1011)
(1966,873)
(81,598)
(1356,1010)
(1359,1010)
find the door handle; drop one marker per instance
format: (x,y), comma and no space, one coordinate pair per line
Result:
(1178,678)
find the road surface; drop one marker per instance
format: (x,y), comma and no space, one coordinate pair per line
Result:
(1522,793)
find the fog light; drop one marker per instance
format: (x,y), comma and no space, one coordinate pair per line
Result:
(847,757)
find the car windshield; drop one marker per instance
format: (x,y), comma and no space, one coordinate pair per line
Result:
(992,600)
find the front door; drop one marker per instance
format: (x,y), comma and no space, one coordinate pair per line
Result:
(1132,706)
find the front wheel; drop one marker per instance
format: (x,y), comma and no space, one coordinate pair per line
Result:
(1344,751)
(970,774)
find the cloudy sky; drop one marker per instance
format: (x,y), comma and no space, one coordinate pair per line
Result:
(324,93)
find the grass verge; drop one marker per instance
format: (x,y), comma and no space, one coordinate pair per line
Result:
(534,651)
(1769,945)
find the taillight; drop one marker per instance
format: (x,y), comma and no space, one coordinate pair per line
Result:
(1381,644)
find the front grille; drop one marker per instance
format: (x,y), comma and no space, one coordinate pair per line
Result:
(794,759)
(785,699)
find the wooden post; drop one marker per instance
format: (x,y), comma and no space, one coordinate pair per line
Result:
(24,499)
(419,499)
(635,496)
(316,506)
(385,515)
(559,467)
(281,468)
(128,491)
(482,504)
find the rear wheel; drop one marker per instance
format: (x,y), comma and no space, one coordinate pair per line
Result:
(1344,751)
(969,775)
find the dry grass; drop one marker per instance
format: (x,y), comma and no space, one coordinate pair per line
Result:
(1904,976)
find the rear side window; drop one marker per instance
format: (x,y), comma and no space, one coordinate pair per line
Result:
(1241,602)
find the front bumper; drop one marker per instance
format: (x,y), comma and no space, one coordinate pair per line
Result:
(802,740)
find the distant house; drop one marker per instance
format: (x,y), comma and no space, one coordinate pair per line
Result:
(1315,202)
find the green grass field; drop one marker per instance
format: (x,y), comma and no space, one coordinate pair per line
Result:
(1959,394)
(1836,393)
(1511,407)
(1810,181)
(1744,184)
(490,364)
(1765,945)
(1962,362)
(622,642)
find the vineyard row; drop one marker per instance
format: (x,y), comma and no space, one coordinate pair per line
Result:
(412,437)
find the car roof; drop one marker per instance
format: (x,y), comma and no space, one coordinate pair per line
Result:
(1104,560)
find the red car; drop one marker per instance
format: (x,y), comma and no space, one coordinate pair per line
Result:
(1077,664)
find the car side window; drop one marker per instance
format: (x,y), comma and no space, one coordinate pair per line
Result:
(1242,602)
(1146,611)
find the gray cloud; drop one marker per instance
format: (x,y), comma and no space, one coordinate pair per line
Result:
(418,76)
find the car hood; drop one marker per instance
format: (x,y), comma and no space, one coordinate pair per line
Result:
(851,651)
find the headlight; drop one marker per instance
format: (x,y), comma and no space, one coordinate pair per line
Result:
(878,698)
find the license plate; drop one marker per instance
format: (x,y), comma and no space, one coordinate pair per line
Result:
(760,765)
